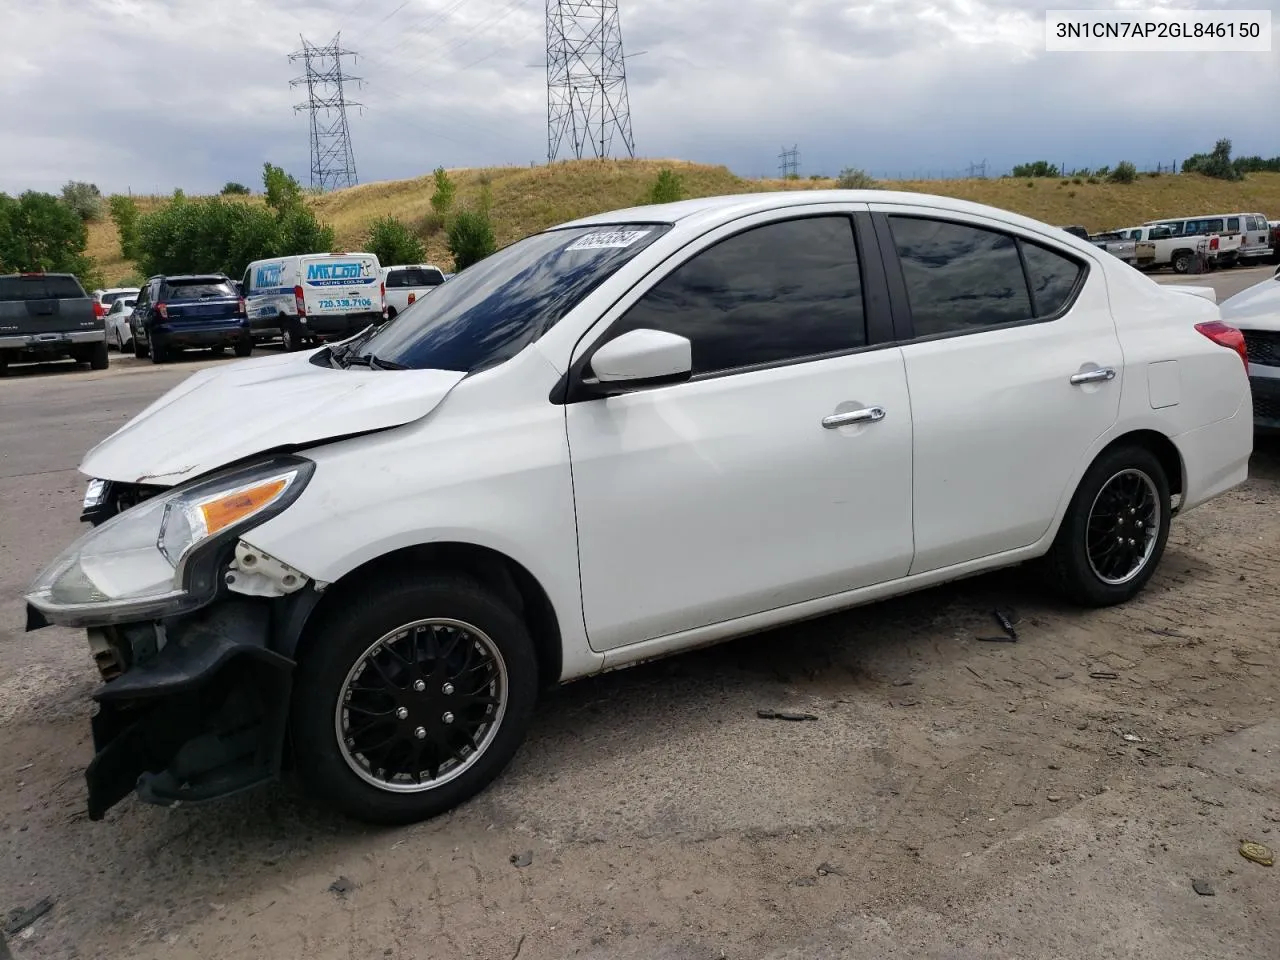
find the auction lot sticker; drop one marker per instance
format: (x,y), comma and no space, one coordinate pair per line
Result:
(614,238)
(1158,31)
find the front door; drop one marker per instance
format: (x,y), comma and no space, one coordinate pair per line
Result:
(1014,369)
(736,492)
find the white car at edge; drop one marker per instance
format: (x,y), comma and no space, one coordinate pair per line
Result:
(1256,312)
(635,434)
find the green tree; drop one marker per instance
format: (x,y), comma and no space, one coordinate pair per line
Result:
(470,238)
(1217,164)
(40,232)
(300,232)
(668,187)
(283,191)
(84,198)
(392,242)
(443,195)
(1125,172)
(124,213)
(231,188)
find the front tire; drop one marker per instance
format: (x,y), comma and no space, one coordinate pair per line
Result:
(1114,533)
(291,334)
(411,698)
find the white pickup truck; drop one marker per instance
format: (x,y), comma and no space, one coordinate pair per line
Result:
(1171,250)
(408,283)
(1133,251)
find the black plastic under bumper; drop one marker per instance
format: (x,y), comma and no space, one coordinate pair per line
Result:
(203,717)
(1266,402)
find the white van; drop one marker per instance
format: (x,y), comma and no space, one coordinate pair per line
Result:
(313,298)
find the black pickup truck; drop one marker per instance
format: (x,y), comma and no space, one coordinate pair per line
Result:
(48,316)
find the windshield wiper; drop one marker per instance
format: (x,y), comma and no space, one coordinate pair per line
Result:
(372,361)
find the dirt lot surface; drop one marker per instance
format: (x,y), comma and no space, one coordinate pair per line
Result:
(955,798)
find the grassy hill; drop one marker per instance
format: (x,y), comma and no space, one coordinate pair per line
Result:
(527,199)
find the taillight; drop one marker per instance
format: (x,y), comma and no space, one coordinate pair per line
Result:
(97,309)
(299,301)
(413,297)
(1213,243)
(241,307)
(382,294)
(163,311)
(1225,335)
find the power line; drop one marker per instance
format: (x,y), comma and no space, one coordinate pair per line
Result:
(587,102)
(333,163)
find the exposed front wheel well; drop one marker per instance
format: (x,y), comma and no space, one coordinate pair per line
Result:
(509,579)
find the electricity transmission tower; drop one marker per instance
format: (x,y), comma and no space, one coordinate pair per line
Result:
(789,163)
(333,164)
(587,105)
(978,170)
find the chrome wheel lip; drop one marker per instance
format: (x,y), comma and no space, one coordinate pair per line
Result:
(1151,532)
(340,718)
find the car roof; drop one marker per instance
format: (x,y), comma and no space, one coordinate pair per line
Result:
(190,276)
(710,211)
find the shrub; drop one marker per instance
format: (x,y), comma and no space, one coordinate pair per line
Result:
(442,196)
(1040,168)
(283,191)
(667,187)
(1102,172)
(1064,183)
(851,178)
(1125,172)
(392,242)
(470,238)
(231,188)
(84,199)
(1031,183)
(1094,180)
(1071,194)
(1077,180)
(430,224)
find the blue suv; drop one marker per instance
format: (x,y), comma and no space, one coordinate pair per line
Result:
(202,310)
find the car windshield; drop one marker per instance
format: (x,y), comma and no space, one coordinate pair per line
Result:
(495,308)
(196,287)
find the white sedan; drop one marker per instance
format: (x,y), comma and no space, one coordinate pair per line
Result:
(1256,311)
(625,437)
(119,332)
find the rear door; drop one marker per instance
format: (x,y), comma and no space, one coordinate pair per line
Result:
(197,301)
(341,284)
(1014,368)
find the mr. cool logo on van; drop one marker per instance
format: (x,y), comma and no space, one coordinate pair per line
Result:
(338,273)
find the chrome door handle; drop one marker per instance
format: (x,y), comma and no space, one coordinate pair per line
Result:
(868,415)
(1093,376)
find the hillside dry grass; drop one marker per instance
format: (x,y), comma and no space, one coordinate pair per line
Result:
(527,199)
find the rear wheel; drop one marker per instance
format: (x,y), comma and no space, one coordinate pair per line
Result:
(411,698)
(1115,529)
(244,347)
(217,350)
(1182,261)
(159,350)
(140,349)
(98,359)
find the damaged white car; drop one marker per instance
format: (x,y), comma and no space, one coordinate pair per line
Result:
(614,440)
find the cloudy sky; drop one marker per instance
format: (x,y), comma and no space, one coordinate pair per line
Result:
(150,95)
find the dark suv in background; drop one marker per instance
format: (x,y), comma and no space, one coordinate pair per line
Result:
(203,310)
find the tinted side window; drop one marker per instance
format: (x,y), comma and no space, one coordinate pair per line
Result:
(397,279)
(783,291)
(1233,224)
(959,277)
(1053,278)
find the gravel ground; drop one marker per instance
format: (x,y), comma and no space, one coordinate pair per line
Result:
(954,798)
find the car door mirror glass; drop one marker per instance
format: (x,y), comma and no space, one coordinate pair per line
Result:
(643,357)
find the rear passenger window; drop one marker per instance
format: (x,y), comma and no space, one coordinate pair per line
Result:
(1052,276)
(959,278)
(779,292)
(1233,225)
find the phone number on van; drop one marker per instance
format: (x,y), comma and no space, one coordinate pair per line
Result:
(347,303)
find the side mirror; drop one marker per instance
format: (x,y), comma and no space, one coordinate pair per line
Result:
(642,358)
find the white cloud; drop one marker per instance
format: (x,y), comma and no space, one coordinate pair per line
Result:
(155,94)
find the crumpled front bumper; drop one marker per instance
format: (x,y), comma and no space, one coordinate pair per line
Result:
(192,710)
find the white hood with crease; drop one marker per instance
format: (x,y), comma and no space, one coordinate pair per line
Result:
(223,414)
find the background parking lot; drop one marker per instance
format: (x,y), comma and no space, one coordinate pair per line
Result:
(953,797)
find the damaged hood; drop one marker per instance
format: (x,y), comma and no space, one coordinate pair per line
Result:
(226,413)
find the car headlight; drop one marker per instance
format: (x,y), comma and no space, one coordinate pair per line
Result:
(148,561)
(94,494)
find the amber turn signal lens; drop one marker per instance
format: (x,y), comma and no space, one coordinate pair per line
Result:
(220,513)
